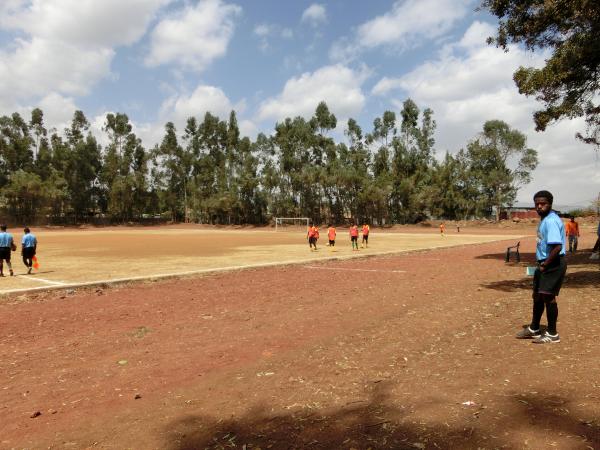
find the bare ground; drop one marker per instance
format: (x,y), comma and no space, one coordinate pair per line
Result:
(417,351)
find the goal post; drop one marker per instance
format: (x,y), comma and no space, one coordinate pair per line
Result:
(282,222)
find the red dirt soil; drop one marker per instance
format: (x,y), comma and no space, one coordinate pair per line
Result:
(291,357)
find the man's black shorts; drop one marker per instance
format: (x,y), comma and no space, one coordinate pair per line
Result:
(354,238)
(551,279)
(5,253)
(332,243)
(28,252)
(366,237)
(312,240)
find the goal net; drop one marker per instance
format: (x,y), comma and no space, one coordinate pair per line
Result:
(291,223)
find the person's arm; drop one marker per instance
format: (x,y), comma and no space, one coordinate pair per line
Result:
(552,255)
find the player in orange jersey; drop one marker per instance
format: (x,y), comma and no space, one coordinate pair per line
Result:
(312,235)
(442,229)
(354,237)
(365,237)
(331,235)
(572,232)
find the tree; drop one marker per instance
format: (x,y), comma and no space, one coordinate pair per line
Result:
(569,83)
(491,156)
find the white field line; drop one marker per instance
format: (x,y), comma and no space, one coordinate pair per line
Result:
(43,280)
(234,268)
(354,270)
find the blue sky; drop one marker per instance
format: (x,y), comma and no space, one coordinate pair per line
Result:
(161,60)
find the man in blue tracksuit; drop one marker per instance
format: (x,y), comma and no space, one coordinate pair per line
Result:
(28,248)
(6,246)
(550,272)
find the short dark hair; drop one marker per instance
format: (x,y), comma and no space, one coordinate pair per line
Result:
(3,227)
(26,230)
(546,194)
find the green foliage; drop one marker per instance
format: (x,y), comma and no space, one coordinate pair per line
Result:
(569,83)
(210,173)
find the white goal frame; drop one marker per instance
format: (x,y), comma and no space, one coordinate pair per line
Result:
(279,221)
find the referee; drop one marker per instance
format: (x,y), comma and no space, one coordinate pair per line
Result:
(6,246)
(28,248)
(550,273)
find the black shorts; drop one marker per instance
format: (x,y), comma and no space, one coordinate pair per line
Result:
(551,279)
(331,242)
(28,252)
(5,253)
(312,240)
(354,238)
(366,237)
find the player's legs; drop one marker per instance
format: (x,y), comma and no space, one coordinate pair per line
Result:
(571,239)
(547,286)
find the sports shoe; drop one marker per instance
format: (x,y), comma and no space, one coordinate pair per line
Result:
(528,333)
(547,338)
(28,270)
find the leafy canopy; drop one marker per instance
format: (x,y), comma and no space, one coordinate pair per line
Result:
(569,83)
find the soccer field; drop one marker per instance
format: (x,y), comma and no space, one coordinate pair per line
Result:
(72,258)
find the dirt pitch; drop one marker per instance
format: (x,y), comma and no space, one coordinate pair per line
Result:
(414,350)
(93,256)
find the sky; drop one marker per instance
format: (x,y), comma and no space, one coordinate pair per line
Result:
(166,60)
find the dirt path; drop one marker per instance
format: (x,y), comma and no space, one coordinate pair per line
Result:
(416,351)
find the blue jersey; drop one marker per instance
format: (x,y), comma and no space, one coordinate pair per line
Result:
(551,231)
(29,241)
(6,239)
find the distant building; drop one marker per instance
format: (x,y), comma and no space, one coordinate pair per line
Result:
(518,212)
(526,211)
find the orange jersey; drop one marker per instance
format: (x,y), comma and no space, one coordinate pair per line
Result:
(312,231)
(572,229)
(365,230)
(331,233)
(354,231)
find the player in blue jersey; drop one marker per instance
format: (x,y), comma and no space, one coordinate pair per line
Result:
(550,272)
(7,245)
(28,248)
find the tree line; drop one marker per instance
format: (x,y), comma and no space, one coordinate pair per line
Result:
(209,173)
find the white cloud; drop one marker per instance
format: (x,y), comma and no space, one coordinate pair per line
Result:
(406,25)
(267,31)
(85,22)
(204,99)
(58,110)
(337,85)
(315,14)
(248,129)
(194,37)
(65,46)
(469,83)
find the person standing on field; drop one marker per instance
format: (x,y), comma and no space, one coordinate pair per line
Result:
(312,235)
(331,235)
(596,250)
(572,230)
(6,246)
(28,248)
(354,237)
(442,229)
(550,272)
(365,235)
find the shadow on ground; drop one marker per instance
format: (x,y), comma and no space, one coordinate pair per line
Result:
(378,424)
(581,272)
